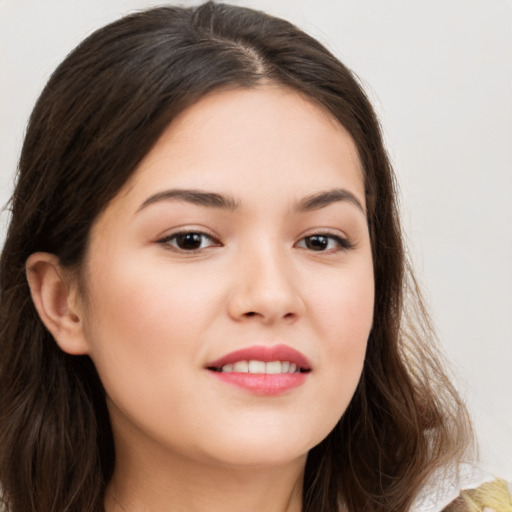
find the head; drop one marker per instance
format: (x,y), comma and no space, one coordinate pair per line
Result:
(120,98)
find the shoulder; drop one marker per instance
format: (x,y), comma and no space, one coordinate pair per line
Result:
(465,488)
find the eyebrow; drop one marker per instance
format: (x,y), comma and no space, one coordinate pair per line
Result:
(215,200)
(199,197)
(323,199)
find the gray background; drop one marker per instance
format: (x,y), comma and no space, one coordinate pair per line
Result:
(440,75)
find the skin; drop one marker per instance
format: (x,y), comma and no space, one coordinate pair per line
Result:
(152,315)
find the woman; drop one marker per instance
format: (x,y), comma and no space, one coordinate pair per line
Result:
(203,284)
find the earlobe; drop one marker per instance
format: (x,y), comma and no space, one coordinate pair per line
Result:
(55,299)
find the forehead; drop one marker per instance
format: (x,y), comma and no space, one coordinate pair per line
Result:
(270,139)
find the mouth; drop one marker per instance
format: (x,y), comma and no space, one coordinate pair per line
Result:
(255,366)
(274,359)
(262,370)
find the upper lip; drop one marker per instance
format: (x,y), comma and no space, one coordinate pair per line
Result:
(263,353)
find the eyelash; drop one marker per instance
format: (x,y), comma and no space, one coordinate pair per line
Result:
(343,244)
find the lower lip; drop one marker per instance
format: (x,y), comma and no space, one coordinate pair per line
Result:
(265,384)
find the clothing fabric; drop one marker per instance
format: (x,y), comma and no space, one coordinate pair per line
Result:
(489,497)
(465,488)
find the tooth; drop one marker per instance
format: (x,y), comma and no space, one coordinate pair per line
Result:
(285,366)
(273,367)
(241,367)
(227,368)
(293,368)
(256,367)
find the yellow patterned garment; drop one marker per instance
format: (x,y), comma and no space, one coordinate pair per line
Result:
(489,497)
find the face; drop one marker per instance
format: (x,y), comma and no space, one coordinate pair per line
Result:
(229,293)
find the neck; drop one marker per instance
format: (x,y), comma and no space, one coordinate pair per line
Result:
(160,482)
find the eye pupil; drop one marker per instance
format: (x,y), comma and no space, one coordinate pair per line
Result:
(317,242)
(189,241)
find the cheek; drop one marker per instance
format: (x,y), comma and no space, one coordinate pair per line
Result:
(143,317)
(344,308)
(345,315)
(145,296)
(143,330)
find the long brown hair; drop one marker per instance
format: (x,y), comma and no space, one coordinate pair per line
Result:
(100,113)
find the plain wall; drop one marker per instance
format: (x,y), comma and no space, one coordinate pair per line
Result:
(440,75)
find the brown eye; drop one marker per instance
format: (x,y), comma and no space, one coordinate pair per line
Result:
(189,241)
(324,243)
(317,242)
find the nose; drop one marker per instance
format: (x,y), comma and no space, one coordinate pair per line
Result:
(266,288)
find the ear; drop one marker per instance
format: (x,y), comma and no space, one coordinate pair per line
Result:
(56,299)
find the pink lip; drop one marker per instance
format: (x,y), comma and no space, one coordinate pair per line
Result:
(263,353)
(262,383)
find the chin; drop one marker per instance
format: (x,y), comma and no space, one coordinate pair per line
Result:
(264,447)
